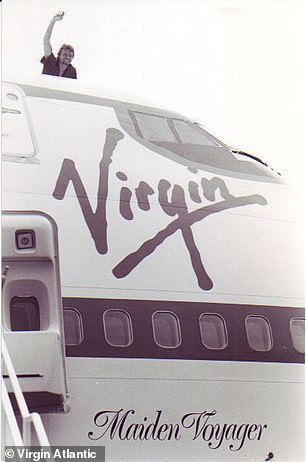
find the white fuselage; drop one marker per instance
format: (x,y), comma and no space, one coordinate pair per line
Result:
(142,231)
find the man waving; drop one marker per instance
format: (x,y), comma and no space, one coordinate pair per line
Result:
(61,65)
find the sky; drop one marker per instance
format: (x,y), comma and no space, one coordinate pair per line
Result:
(238,67)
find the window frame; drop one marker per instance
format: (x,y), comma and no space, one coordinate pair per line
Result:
(26,298)
(130,327)
(291,336)
(225,331)
(66,308)
(197,129)
(178,330)
(170,121)
(269,330)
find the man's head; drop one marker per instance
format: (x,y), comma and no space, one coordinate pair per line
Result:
(65,54)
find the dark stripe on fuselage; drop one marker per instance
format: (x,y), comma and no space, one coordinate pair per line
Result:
(191,347)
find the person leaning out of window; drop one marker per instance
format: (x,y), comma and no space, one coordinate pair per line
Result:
(60,66)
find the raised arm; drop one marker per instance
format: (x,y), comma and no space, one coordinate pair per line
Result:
(47,44)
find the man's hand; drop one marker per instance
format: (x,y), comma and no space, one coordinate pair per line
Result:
(59,16)
(47,44)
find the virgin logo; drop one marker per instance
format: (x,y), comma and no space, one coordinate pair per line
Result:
(171,198)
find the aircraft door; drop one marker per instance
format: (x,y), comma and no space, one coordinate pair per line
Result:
(32,309)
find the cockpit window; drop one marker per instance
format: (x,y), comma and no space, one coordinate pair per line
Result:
(189,134)
(156,128)
(153,128)
(189,144)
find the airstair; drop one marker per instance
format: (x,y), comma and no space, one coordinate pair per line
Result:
(21,430)
(33,378)
(30,427)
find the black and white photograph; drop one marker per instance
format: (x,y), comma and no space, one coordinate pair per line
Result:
(153,230)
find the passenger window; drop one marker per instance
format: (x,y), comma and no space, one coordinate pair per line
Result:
(24,314)
(73,327)
(213,331)
(166,329)
(297,329)
(117,328)
(258,333)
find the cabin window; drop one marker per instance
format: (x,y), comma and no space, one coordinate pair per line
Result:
(258,333)
(213,331)
(297,329)
(24,314)
(73,327)
(166,329)
(117,328)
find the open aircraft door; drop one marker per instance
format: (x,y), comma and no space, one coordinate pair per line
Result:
(32,309)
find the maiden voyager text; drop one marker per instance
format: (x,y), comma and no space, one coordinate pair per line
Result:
(200,426)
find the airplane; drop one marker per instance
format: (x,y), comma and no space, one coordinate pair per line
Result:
(153,282)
